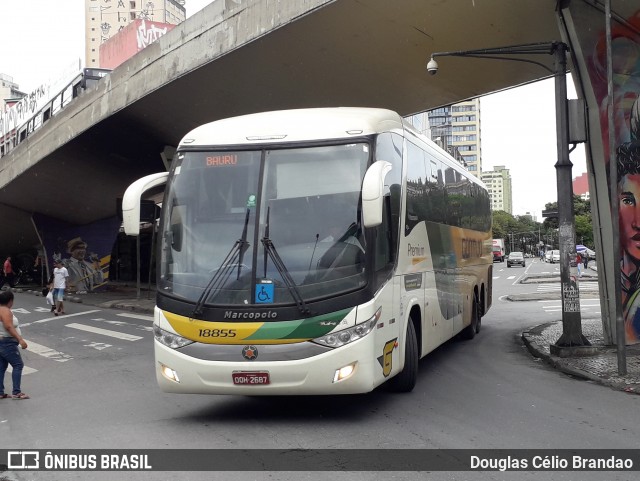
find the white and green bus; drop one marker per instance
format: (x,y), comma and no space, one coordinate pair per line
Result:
(313,251)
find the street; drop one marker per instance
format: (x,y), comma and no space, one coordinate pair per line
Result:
(92,386)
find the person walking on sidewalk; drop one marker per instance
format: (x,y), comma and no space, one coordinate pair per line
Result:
(10,339)
(60,275)
(579,264)
(7,272)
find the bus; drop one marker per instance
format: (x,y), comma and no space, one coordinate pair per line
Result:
(312,251)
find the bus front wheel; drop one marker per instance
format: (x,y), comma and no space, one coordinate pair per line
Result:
(405,380)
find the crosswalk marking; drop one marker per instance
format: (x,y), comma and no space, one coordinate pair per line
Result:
(98,345)
(104,332)
(47,352)
(585,305)
(583,286)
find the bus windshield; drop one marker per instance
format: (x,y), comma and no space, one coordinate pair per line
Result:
(276,226)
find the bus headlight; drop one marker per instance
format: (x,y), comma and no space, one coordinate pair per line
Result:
(340,338)
(169,339)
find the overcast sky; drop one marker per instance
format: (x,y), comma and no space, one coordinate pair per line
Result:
(518,125)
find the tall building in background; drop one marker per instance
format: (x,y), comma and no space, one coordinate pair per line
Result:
(498,182)
(105,18)
(456,128)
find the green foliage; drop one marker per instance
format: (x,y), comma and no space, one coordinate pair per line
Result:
(525,233)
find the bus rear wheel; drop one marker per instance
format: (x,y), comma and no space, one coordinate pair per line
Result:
(470,331)
(406,379)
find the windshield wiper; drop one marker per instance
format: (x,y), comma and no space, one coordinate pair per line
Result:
(219,279)
(270,250)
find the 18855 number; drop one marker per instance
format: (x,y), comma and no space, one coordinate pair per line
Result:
(217,333)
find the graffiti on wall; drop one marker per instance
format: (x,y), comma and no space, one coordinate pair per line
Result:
(15,116)
(149,33)
(626,114)
(84,250)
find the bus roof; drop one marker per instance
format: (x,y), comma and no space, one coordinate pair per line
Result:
(294,126)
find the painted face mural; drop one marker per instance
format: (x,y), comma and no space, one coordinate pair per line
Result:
(625,44)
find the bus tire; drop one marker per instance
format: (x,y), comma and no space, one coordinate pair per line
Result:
(479,311)
(406,379)
(470,331)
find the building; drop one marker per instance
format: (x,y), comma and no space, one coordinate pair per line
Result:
(581,186)
(456,128)
(105,18)
(498,182)
(9,91)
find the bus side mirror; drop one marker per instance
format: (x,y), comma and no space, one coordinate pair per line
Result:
(131,200)
(373,193)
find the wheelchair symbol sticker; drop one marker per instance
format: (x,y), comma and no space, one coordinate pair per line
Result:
(264,293)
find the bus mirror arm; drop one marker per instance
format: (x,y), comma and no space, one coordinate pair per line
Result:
(131,200)
(373,193)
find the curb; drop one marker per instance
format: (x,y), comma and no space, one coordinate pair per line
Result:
(562,365)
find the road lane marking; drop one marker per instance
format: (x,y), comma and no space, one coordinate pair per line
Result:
(511,277)
(47,352)
(124,323)
(65,316)
(25,370)
(104,332)
(136,316)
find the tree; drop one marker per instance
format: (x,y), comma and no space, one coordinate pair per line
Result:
(583,220)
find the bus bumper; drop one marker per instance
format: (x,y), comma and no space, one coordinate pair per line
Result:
(309,376)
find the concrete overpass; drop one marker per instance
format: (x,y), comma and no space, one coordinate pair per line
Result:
(241,56)
(237,57)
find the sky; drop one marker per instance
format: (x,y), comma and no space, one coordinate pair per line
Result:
(518,125)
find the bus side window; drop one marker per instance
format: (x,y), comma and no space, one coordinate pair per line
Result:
(389,147)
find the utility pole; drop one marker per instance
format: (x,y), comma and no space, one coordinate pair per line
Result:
(571,318)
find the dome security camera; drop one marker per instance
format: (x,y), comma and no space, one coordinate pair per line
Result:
(432,66)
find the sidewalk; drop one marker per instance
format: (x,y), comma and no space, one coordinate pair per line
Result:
(117,295)
(601,367)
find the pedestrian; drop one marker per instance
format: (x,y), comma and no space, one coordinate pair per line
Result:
(585,258)
(579,264)
(50,288)
(7,271)
(10,339)
(60,275)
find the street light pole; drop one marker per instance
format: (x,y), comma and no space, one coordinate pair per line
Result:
(571,319)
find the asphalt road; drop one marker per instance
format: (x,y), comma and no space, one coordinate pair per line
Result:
(90,376)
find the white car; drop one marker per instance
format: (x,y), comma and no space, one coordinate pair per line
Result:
(547,256)
(555,256)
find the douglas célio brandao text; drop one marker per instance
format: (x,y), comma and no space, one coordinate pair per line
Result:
(569,462)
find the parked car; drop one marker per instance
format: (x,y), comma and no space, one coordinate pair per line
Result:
(515,258)
(591,254)
(555,256)
(547,256)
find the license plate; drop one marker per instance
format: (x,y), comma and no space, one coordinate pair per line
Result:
(252,378)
